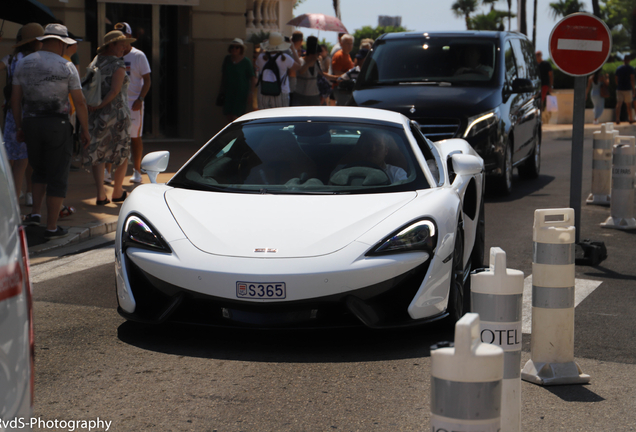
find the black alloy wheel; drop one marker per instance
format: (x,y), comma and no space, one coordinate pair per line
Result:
(532,166)
(503,182)
(459,295)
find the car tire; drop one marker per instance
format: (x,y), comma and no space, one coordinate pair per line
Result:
(459,293)
(503,182)
(532,166)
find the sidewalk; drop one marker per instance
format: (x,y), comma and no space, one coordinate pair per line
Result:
(91,221)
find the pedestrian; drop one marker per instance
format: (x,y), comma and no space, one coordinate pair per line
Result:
(598,83)
(347,80)
(307,91)
(40,104)
(109,122)
(340,63)
(138,71)
(273,49)
(237,81)
(546,76)
(27,43)
(297,46)
(624,78)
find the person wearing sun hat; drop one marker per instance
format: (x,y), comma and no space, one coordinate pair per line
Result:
(276,47)
(138,70)
(40,105)
(237,81)
(17,151)
(109,122)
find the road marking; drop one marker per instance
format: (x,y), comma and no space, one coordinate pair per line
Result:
(580,45)
(72,264)
(582,289)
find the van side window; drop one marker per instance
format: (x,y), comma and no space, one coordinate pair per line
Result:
(522,69)
(511,69)
(530,59)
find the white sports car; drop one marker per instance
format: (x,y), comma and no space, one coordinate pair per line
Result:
(306,217)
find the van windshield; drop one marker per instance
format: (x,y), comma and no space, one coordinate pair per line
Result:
(431,60)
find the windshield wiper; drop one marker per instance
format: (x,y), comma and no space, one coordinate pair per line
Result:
(188,184)
(437,83)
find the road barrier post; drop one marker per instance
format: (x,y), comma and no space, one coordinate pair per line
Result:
(497,296)
(552,347)
(622,200)
(466,382)
(603,142)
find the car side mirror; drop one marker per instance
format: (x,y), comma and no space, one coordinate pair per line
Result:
(155,163)
(464,164)
(522,85)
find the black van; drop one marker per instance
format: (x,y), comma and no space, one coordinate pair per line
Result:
(481,86)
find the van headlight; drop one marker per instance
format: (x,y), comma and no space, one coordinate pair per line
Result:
(481,122)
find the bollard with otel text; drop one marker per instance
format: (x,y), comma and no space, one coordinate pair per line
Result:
(497,296)
(466,382)
(603,142)
(622,200)
(552,346)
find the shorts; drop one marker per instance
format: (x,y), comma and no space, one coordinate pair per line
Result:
(50,148)
(137,122)
(264,102)
(623,96)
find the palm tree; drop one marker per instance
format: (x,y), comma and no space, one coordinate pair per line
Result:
(490,2)
(563,8)
(493,20)
(534,25)
(523,25)
(463,8)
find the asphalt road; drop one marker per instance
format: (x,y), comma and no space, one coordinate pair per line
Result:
(90,363)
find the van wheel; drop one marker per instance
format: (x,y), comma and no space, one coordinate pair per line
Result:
(532,166)
(503,183)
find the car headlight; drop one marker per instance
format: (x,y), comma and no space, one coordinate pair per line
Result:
(139,233)
(417,236)
(480,122)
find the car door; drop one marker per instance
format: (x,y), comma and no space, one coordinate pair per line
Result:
(513,101)
(528,115)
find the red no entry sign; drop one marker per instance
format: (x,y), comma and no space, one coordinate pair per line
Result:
(580,44)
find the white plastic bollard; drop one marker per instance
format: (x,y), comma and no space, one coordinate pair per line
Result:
(497,296)
(603,142)
(552,347)
(466,382)
(622,202)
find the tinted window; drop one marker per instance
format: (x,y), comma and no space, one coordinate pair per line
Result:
(511,68)
(305,157)
(457,60)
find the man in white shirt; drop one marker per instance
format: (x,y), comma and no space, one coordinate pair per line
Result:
(138,71)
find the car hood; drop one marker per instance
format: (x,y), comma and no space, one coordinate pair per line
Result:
(284,226)
(429,100)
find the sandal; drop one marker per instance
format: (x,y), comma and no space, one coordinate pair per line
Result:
(66,211)
(121,198)
(102,202)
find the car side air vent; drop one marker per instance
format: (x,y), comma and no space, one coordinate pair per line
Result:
(437,129)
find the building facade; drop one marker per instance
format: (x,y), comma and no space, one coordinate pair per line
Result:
(185,42)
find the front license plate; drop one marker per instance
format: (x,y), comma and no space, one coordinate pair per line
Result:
(261,290)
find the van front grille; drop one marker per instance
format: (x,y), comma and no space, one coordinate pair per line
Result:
(437,129)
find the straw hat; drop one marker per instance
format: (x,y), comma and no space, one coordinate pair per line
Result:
(28,33)
(276,42)
(114,36)
(237,42)
(57,31)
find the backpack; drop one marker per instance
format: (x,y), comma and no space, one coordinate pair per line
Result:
(273,88)
(92,84)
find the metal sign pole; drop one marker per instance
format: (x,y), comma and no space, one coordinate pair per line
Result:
(576,164)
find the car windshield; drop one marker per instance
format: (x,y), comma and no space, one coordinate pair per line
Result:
(304,157)
(430,60)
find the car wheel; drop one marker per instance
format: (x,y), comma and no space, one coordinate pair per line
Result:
(503,183)
(532,166)
(459,295)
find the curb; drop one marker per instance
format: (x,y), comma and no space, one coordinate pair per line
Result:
(77,234)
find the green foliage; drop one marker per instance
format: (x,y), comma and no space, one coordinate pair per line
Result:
(617,14)
(463,8)
(563,8)
(257,38)
(298,3)
(493,20)
(372,33)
